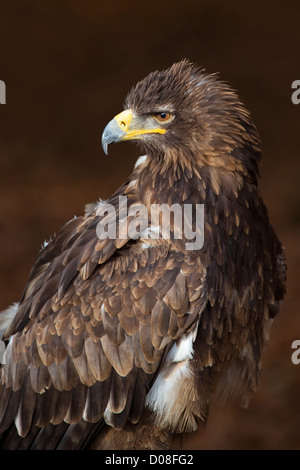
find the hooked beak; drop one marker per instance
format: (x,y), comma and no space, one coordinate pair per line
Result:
(127,126)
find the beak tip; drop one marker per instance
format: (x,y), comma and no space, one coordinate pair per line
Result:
(105,142)
(105,148)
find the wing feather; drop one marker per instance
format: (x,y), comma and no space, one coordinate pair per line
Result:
(92,329)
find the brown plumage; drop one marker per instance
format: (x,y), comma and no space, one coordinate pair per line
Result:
(120,343)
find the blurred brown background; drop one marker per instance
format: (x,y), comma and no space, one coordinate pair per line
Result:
(67,68)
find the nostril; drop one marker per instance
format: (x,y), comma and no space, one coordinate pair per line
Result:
(123,124)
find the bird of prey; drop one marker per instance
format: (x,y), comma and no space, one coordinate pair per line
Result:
(122,342)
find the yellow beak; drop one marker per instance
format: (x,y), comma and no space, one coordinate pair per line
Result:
(128,126)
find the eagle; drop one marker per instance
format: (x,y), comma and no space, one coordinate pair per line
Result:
(121,340)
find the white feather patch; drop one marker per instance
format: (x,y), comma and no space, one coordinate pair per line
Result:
(163,395)
(145,246)
(150,232)
(2,351)
(131,184)
(140,161)
(183,350)
(6,317)
(7,354)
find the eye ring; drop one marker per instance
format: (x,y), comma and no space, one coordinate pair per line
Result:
(163,116)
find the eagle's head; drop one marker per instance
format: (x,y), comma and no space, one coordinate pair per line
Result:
(184,110)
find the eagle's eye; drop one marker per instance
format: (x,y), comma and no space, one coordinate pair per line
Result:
(163,116)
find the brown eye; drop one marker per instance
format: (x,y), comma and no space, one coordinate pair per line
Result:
(164,116)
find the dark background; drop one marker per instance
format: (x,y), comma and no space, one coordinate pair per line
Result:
(67,68)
